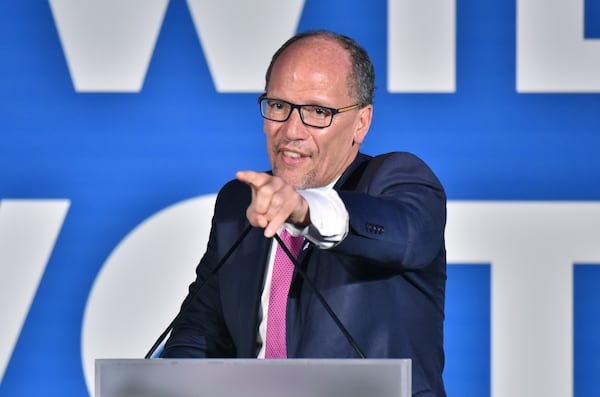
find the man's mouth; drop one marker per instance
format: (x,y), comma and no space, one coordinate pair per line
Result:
(294,155)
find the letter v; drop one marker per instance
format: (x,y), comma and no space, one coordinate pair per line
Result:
(108,44)
(28,231)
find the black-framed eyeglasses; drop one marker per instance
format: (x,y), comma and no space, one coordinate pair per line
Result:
(311,115)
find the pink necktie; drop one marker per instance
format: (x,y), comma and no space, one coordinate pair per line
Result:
(283,268)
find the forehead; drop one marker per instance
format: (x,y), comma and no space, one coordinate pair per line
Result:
(314,64)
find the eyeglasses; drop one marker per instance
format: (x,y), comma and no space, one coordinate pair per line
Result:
(311,115)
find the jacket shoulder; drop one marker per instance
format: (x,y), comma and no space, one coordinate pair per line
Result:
(233,197)
(399,166)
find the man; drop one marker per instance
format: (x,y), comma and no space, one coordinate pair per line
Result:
(374,230)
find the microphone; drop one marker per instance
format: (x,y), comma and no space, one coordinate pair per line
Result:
(193,297)
(321,299)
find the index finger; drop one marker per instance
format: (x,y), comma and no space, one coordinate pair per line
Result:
(252,178)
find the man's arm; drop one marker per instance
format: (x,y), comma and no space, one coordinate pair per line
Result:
(397,213)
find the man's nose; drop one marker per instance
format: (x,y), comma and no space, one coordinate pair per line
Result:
(294,128)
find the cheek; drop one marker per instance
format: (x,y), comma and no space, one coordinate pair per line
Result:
(334,152)
(335,143)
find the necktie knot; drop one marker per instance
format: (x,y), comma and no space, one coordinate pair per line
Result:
(292,243)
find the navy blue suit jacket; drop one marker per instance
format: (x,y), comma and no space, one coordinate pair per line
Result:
(385,280)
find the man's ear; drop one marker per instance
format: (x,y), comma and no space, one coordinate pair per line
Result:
(363,123)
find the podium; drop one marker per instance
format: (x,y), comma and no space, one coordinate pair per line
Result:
(253,378)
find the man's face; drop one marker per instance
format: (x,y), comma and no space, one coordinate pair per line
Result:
(314,71)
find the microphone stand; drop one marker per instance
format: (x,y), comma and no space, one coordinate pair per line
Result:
(183,308)
(302,273)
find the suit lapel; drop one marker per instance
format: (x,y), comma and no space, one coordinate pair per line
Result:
(241,297)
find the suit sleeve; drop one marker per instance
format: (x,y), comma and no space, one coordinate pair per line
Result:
(397,213)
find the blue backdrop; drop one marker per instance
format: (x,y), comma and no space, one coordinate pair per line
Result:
(119,158)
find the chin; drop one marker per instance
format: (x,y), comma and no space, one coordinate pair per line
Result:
(297,181)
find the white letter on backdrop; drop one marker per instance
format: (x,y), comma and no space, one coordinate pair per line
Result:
(532,247)
(421,46)
(239,37)
(28,231)
(552,54)
(108,44)
(159,256)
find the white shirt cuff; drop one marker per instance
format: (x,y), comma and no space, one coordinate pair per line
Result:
(328,215)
